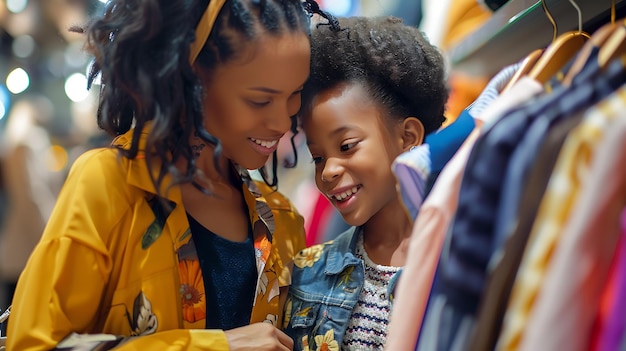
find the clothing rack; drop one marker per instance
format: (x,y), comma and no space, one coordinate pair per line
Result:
(521,26)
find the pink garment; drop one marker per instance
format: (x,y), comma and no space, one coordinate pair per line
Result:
(432,224)
(610,322)
(565,308)
(318,220)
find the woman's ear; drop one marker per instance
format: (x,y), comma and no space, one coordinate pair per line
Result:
(412,132)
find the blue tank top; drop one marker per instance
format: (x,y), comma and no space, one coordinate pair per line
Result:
(230,276)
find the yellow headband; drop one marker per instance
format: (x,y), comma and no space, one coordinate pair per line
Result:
(204,28)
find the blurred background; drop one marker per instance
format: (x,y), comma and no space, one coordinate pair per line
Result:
(43,62)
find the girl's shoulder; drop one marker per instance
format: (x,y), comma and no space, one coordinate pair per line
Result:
(316,254)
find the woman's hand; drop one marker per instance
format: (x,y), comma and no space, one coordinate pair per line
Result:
(258,336)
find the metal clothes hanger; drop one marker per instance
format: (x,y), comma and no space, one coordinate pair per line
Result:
(525,66)
(615,44)
(560,51)
(529,61)
(598,39)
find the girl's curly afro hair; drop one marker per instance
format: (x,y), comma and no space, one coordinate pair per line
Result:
(403,72)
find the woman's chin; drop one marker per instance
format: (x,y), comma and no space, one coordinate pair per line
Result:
(254,165)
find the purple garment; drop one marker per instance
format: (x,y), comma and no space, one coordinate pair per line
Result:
(412,169)
(611,336)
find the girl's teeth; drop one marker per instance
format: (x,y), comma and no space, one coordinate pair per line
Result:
(346,194)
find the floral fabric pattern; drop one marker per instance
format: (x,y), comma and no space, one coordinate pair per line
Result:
(144,322)
(327,341)
(192,290)
(308,256)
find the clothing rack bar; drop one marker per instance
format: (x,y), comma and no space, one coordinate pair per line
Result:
(521,26)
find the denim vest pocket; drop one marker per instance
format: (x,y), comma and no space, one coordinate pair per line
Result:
(303,314)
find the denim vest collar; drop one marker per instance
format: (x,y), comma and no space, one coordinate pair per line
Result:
(341,253)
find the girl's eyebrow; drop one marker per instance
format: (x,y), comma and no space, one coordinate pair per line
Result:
(339,130)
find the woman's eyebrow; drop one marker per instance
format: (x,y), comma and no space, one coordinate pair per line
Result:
(266,90)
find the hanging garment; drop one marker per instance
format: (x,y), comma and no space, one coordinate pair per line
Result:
(567,302)
(424,247)
(432,224)
(464,260)
(555,207)
(444,143)
(504,263)
(463,271)
(522,158)
(608,324)
(411,169)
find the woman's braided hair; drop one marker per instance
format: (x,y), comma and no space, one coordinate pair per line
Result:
(141,52)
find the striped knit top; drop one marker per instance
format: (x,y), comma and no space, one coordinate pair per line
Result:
(367,327)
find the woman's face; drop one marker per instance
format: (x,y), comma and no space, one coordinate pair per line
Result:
(352,146)
(249,100)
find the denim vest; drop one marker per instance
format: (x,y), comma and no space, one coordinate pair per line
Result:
(326,283)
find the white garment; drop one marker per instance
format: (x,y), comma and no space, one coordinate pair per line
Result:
(434,20)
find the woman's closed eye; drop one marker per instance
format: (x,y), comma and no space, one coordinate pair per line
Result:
(262,102)
(259,102)
(317,160)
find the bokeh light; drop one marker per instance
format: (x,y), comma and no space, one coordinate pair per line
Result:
(57,158)
(23,46)
(338,7)
(5,101)
(16,6)
(18,81)
(76,87)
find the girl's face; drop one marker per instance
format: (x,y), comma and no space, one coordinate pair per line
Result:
(353,147)
(249,101)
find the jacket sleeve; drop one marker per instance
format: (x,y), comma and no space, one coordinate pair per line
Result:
(66,287)
(192,339)
(59,293)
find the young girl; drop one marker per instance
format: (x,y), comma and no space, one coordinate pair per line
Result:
(163,242)
(376,88)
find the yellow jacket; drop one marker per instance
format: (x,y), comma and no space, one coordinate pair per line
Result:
(107,265)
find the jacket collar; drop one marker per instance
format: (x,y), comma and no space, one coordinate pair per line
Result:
(341,252)
(138,172)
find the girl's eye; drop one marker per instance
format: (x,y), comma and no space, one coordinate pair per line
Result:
(347,146)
